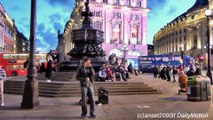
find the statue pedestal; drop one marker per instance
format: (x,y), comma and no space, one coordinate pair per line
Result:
(87,43)
(97,62)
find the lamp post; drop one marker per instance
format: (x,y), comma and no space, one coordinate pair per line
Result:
(208,14)
(30,95)
(125,50)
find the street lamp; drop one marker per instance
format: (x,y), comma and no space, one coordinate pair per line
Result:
(208,14)
(125,50)
(30,95)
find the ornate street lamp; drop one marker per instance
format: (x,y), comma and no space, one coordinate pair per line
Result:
(30,95)
(125,50)
(208,14)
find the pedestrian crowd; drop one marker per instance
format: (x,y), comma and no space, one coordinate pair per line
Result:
(177,74)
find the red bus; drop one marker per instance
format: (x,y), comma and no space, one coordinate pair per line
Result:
(13,64)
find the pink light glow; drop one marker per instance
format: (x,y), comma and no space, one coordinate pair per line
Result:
(121,28)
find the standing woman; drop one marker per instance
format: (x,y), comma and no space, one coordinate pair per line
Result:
(85,74)
(49,68)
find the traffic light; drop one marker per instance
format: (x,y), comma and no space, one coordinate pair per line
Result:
(201,58)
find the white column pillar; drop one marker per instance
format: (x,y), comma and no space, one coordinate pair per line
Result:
(144,28)
(199,37)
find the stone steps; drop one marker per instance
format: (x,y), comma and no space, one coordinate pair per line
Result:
(72,89)
(58,76)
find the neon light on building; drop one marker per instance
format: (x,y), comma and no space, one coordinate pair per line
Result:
(124,22)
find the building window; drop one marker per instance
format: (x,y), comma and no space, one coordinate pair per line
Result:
(134,35)
(212,51)
(184,37)
(97,13)
(135,17)
(105,1)
(195,41)
(98,25)
(138,4)
(116,32)
(128,2)
(116,2)
(180,32)
(180,40)
(185,30)
(117,15)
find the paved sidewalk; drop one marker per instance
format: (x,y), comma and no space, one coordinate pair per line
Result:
(119,107)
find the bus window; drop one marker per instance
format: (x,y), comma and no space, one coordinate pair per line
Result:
(15,67)
(9,67)
(6,56)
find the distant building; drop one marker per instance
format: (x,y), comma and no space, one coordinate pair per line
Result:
(124,23)
(150,49)
(2,17)
(186,33)
(7,32)
(22,44)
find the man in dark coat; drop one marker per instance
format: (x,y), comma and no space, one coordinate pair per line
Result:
(85,74)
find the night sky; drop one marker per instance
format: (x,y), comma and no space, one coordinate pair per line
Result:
(53,14)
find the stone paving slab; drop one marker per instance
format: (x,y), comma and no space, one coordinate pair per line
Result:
(119,107)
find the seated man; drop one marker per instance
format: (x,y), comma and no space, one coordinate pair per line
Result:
(102,74)
(122,73)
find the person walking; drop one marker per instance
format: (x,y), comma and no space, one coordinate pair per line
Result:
(174,73)
(168,73)
(163,73)
(85,74)
(49,68)
(155,72)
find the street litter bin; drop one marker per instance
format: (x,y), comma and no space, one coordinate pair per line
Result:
(103,95)
(198,88)
(206,87)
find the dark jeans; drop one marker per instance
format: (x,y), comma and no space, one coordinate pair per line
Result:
(87,92)
(168,77)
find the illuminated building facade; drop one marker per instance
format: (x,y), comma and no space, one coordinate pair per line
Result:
(7,32)
(186,33)
(124,23)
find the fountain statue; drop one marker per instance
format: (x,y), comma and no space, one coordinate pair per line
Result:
(87,42)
